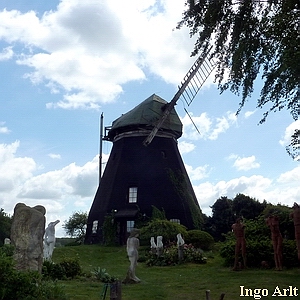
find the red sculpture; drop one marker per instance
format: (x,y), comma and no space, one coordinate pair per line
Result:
(238,229)
(273,223)
(295,215)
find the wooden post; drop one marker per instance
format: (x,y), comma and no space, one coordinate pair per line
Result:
(116,290)
(222,296)
(180,253)
(207,294)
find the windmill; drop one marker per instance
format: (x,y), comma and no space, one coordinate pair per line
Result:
(145,169)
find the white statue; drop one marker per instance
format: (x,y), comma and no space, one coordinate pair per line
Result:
(133,244)
(159,242)
(152,242)
(49,240)
(180,244)
(160,246)
(153,245)
(7,241)
(180,240)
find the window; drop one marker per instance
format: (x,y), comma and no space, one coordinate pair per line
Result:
(95,227)
(175,221)
(132,197)
(130,226)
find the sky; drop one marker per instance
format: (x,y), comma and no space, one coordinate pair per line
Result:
(63,63)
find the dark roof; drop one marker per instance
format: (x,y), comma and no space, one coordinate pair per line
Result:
(145,116)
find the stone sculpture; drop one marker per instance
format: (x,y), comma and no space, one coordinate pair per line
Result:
(133,244)
(180,240)
(27,231)
(295,215)
(7,241)
(273,223)
(160,246)
(49,240)
(238,229)
(180,244)
(153,245)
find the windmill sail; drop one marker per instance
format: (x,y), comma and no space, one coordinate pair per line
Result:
(197,79)
(190,85)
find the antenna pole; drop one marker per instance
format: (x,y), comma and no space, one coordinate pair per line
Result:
(100,150)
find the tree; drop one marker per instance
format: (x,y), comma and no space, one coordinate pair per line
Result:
(5,225)
(76,225)
(247,207)
(251,38)
(222,218)
(293,148)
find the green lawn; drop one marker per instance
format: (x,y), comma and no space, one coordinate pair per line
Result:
(186,282)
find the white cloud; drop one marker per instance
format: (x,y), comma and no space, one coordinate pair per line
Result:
(256,186)
(209,128)
(185,147)
(13,170)
(61,191)
(222,125)
(198,173)
(290,177)
(87,50)
(249,114)
(6,54)
(71,180)
(54,156)
(244,163)
(286,140)
(3,129)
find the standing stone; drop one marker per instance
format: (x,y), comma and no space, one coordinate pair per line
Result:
(27,233)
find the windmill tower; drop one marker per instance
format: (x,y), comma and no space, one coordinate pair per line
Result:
(145,168)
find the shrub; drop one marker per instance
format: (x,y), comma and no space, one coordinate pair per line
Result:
(170,256)
(17,285)
(49,290)
(103,276)
(8,250)
(259,250)
(168,230)
(67,268)
(109,229)
(71,267)
(52,271)
(289,253)
(200,239)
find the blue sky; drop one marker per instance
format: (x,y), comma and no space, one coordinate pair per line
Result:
(63,63)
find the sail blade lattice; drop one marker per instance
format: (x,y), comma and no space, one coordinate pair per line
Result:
(202,68)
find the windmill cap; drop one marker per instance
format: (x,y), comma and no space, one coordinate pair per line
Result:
(145,116)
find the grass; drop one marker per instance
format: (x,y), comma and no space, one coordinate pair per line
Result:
(181,282)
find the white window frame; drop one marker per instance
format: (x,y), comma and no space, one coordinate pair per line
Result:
(132,194)
(129,225)
(175,221)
